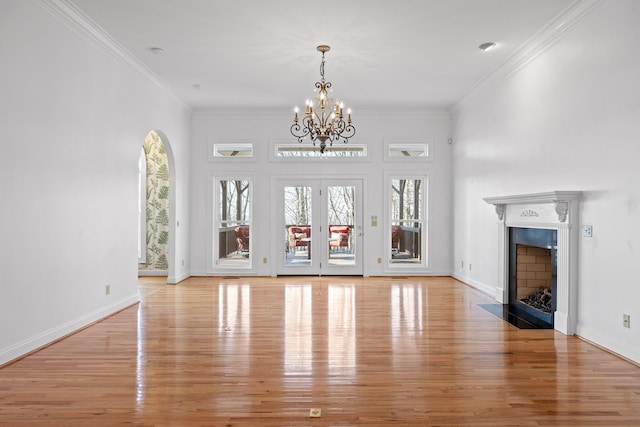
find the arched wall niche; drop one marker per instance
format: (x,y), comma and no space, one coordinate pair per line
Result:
(158,224)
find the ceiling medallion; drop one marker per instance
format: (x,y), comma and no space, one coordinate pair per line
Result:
(323,119)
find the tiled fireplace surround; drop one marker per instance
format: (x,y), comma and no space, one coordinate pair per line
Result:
(555,210)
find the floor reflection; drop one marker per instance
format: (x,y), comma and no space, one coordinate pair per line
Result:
(341,329)
(234,326)
(406,309)
(298,322)
(370,351)
(234,308)
(140,362)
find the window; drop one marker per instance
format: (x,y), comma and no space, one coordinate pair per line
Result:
(408,150)
(233,150)
(408,220)
(338,150)
(233,212)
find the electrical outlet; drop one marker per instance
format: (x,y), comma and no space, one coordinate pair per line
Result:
(264,260)
(107,290)
(379,260)
(587,231)
(626,321)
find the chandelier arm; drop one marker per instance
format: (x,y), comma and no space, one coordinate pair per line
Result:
(315,121)
(345,134)
(350,132)
(310,128)
(299,132)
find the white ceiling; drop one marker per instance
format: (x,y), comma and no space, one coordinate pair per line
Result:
(262,53)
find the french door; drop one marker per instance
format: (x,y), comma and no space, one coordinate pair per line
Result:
(319,230)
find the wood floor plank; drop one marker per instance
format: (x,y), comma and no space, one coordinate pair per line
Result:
(366,351)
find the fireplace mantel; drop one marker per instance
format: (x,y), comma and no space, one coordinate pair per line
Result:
(559,199)
(555,210)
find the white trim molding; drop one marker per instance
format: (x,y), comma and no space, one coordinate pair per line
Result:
(555,210)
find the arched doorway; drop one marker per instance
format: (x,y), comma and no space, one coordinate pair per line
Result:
(157,208)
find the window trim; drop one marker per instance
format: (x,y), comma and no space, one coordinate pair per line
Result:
(389,144)
(423,266)
(275,145)
(211,150)
(213,244)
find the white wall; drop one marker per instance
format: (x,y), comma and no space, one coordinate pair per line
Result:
(73,121)
(374,128)
(568,120)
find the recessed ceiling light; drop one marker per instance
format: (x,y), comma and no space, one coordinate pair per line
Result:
(156,50)
(487,46)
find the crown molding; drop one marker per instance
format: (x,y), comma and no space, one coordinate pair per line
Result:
(543,40)
(76,20)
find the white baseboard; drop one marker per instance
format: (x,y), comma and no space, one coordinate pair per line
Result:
(177,279)
(47,337)
(152,273)
(621,348)
(482,287)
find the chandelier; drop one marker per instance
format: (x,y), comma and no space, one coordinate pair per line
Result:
(323,119)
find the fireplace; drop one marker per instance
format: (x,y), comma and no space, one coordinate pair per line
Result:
(555,211)
(533,272)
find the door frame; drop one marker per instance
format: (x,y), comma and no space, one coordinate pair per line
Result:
(319,265)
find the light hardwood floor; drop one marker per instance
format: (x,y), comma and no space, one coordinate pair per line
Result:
(264,351)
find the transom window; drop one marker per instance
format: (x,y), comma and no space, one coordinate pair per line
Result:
(233,150)
(338,150)
(408,150)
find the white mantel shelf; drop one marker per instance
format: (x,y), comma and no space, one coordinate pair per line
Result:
(556,210)
(549,197)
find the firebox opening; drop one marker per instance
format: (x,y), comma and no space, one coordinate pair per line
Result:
(533,277)
(532,272)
